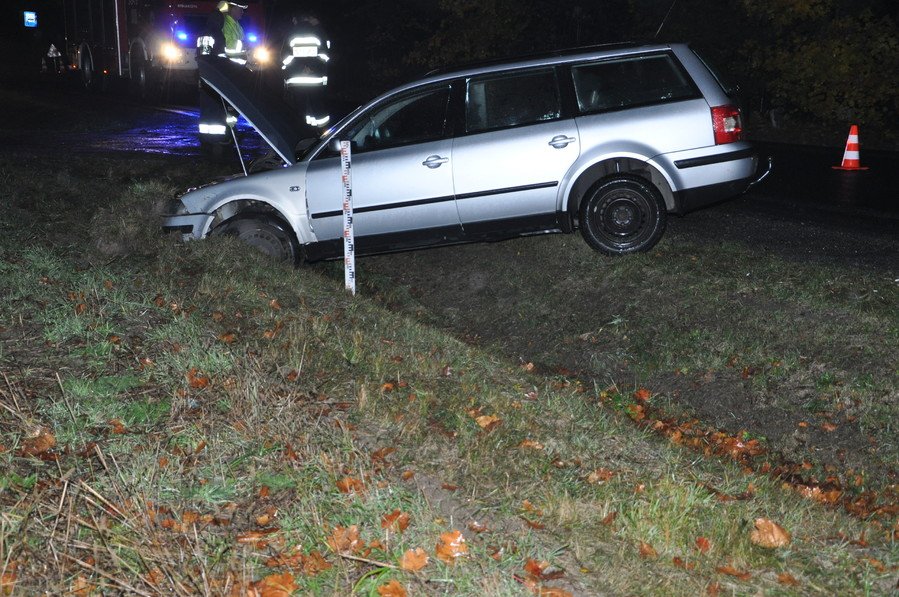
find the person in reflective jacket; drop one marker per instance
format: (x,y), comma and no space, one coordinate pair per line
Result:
(305,53)
(223,38)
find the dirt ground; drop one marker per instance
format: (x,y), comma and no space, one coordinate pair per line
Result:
(487,303)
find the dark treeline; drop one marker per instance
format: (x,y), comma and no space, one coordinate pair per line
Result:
(830,59)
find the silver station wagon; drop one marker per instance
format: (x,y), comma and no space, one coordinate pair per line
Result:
(607,140)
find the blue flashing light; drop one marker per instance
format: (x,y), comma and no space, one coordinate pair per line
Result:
(252,38)
(182,35)
(30,18)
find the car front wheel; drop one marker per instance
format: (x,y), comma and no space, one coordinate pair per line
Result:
(622,215)
(265,234)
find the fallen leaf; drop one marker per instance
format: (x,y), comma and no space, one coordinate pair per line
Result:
(828,427)
(155,576)
(197,380)
(40,441)
(785,578)
(451,546)
(381,454)
(642,395)
(527,506)
(600,475)
(476,527)
(609,518)
(636,412)
(413,560)
(407,475)
(276,585)
(118,427)
(488,422)
(875,563)
(539,571)
(395,521)
(315,563)
(345,540)
(731,571)
(703,544)
(349,485)
(254,538)
(227,337)
(529,443)
(713,589)
(81,587)
(535,568)
(392,589)
(769,534)
(647,550)
(449,486)
(7,582)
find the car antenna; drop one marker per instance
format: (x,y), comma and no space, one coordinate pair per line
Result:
(667,14)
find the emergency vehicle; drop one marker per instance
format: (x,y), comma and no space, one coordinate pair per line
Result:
(150,43)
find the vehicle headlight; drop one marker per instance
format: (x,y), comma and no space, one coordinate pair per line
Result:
(262,55)
(171,52)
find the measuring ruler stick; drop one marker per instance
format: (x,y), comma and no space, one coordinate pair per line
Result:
(349,245)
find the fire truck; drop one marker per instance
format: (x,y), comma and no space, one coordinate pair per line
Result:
(150,43)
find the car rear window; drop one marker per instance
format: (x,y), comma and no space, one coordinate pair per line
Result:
(507,100)
(630,82)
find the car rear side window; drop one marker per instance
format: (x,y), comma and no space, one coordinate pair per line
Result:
(630,82)
(511,99)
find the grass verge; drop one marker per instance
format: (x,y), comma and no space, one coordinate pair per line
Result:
(190,419)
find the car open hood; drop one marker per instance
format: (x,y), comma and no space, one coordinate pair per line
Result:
(262,107)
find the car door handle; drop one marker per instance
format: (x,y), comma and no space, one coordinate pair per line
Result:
(434,161)
(561,141)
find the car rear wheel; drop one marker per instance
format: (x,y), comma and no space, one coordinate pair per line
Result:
(265,234)
(622,215)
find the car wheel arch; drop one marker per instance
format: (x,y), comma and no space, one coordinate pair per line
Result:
(610,168)
(266,231)
(223,211)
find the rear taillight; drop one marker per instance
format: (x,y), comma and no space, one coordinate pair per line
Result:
(727,124)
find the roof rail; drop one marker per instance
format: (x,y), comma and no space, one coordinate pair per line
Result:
(560,53)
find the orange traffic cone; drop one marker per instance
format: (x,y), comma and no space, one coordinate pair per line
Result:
(851,159)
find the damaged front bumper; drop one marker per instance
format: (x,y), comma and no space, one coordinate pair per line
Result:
(189,226)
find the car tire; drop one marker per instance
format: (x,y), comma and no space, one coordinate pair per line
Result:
(622,215)
(264,233)
(140,84)
(87,73)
